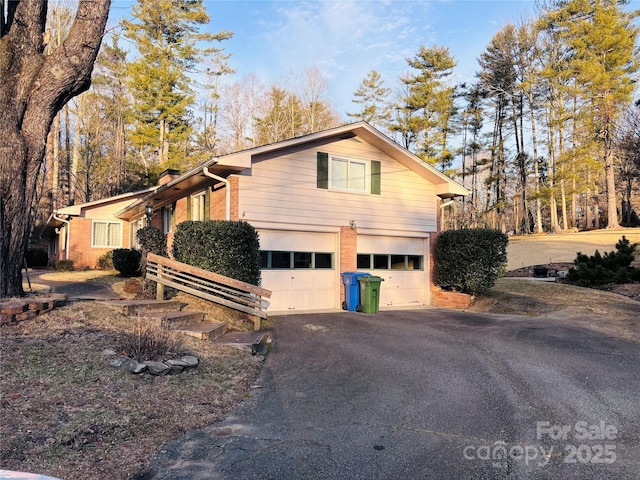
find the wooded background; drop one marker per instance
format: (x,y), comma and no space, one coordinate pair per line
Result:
(547,137)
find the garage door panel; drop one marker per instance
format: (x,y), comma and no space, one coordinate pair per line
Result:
(301,288)
(400,287)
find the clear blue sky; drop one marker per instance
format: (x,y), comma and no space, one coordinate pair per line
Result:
(347,39)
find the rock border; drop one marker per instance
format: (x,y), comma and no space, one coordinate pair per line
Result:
(168,367)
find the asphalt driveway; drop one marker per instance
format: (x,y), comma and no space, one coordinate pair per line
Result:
(427,394)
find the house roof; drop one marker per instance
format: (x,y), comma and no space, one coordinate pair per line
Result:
(225,165)
(57,218)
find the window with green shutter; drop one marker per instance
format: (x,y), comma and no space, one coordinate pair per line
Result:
(348,174)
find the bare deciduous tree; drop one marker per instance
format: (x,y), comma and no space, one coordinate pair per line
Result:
(34,87)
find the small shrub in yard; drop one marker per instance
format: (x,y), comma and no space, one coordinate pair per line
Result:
(146,341)
(36,257)
(127,261)
(612,267)
(65,266)
(470,260)
(229,248)
(105,262)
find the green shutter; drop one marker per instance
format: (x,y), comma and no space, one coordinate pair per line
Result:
(375,177)
(323,170)
(173,217)
(207,204)
(189,214)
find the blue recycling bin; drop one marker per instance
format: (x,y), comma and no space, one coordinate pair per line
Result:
(351,290)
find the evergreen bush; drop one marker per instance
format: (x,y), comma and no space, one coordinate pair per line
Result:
(229,248)
(65,266)
(470,260)
(127,261)
(612,267)
(151,240)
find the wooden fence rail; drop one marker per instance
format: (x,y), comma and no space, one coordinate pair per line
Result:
(211,286)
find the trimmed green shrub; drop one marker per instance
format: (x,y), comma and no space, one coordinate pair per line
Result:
(36,257)
(229,248)
(65,266)
(612,267)
(470,260)
(152,240)
(127,261)
(105,262)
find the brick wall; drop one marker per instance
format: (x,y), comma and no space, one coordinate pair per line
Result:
(234,181)
(180,210)
(81,251)
(348,253)
(441,298)
(217,206)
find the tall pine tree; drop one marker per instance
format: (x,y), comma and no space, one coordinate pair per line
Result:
(602,41)
(167,37)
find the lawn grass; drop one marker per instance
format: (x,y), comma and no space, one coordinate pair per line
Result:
(66,413)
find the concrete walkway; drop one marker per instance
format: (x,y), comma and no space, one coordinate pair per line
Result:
(76,291)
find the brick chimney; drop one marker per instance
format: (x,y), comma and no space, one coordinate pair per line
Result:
(167,176)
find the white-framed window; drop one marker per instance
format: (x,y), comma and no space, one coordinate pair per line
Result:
(197,207)
(348,174)
(106,234)
(167,218)
(135,226)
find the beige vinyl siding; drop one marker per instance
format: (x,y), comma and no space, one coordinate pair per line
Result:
(284,190)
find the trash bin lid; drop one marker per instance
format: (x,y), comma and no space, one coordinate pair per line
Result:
(371,279)
(347,277)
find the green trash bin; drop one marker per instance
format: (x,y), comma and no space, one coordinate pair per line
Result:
(369,294)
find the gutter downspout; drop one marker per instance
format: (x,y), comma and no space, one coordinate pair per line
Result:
(68,229)
(206,171)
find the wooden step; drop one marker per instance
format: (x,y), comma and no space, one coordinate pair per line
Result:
(204,331)
(143,307)
(176,319)
(247,341)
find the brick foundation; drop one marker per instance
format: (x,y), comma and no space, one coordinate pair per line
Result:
(456,300)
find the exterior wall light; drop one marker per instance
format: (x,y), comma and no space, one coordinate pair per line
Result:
(148,210)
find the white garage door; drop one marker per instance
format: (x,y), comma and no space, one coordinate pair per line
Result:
(401,262)
(300,269)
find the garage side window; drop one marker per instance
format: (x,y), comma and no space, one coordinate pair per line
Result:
(383,261)
(283,260)
(106,234)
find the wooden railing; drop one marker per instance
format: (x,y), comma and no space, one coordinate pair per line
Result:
(211,286)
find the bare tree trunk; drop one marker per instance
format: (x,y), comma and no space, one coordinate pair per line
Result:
(75,159)
(34,88)
(551,172)
(55,163)
(610,182)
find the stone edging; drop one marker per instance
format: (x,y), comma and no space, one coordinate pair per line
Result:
(168,367)
(15,311)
